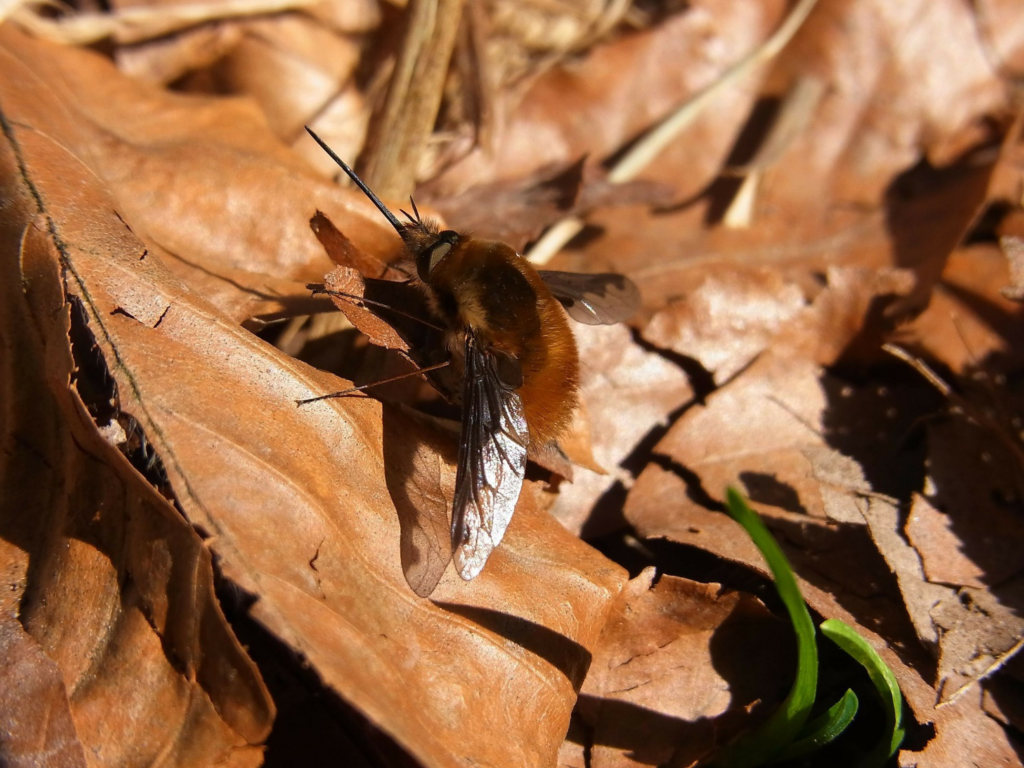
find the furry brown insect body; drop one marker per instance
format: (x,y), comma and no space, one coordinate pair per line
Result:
(486,288)
(510,344)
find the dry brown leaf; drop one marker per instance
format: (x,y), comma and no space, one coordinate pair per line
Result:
(964,734)
(290,64)
(344,252)
(930,532)
(517,211)
(970,547)
(348,281)
(677,667)
(138,22)
(727,319)
(618,90)
(1002,701)
(823,560)
(843,487)
(732,315)
(922,599)
(166,59)
(881,115)
(761,427)
(839,570)
(975,482)
(342,123)
(769,427)
(853,187)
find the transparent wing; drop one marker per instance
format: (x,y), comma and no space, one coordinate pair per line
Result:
(603,299)
(492,462)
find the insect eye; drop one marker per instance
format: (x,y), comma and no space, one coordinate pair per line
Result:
(432,255)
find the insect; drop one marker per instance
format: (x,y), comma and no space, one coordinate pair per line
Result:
(506,330)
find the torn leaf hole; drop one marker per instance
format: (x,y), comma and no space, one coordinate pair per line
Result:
(96,387)
(162,316)
(91,376)
(125,313)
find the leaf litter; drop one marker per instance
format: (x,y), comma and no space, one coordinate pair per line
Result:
(163,496)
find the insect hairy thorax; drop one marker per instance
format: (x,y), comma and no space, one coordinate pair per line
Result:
(485,288)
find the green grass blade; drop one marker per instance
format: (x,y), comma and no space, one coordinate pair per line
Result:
(785,724)
(847,638)
(823,729)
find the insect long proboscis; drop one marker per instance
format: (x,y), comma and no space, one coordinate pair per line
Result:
(399,227)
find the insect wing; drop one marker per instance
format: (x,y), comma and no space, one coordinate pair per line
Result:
(492,462)
(603,299)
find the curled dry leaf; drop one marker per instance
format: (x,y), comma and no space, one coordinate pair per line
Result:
(113,584)
(168,58)
(969,322)
(345,253)
(240,238)
(517,211)
(960,572)
(290,64)
(347,281)
(38,725)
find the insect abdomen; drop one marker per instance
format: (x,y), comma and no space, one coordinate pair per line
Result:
(551,373)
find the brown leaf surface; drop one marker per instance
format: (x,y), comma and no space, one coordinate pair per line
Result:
(627,393)
(1013,247)
(113,585)
(616,91)
(38,727)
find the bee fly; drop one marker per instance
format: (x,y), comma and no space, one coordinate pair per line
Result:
(505,328)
